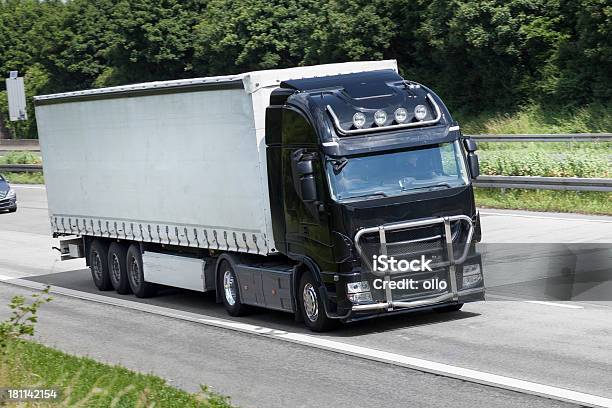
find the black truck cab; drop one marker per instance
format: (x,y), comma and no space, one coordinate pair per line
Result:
(364,168)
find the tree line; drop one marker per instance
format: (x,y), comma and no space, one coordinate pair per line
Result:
(479,55)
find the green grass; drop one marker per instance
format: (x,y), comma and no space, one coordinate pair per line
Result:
(539,162)
(534,119)
(25,178)
(84,382)
(20,157)
(567,159)
(545,200)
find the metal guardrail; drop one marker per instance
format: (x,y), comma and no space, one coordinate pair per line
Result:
(546,183)
(7,145)
(526,182)
(575,137)
(32,144)
(20,168)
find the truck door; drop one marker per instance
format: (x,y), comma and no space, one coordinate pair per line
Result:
(306,220)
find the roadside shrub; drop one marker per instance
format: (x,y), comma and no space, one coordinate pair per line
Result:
(23,317)
(22,158)
(536,163)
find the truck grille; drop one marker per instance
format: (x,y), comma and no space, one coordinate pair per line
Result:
(410,244)
(420,240)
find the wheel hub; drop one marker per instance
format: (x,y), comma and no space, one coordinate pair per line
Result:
(97,266)
(135,272)
(116,268)
(311,304)
(229,288)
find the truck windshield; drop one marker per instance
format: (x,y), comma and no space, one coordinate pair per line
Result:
(390,174)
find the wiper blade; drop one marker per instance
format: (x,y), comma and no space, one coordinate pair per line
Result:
(374,194)
(339,164)
(431,186)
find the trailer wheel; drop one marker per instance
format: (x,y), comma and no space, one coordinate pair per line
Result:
(311,305)
(98,263)
(230,290)
(135,274)
(117,268)
(449,308)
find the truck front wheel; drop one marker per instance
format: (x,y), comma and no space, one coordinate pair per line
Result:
(311,305)
(135,274)
(117,258)
(98,263)
(230,290)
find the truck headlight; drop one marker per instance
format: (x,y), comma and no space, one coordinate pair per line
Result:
(471,275)
(420,111)
(355,287)
(360,297)
(11,194)
(359,292)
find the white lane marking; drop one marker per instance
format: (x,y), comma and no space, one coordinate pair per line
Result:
(543,217)
(540,302)
(418,364)
(32,187)
(568,305)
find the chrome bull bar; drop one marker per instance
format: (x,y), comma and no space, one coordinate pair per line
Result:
(389,304)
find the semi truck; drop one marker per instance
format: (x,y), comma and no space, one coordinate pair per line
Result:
(299,190)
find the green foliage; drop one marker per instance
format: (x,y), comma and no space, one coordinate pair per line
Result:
(545,200)
(20,157)
(25,178)
(23,318)
(83,382)
(538,163)
(479,55)
(264,34)
(537,119)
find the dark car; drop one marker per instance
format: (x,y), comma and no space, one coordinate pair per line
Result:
(8,197)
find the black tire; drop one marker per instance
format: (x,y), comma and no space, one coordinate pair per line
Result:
(12,209)
(135,274)
(449,308)
(231,293)
(117,268)
(98,264)
(311,305)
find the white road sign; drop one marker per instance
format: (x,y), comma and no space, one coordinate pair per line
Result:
(16,98)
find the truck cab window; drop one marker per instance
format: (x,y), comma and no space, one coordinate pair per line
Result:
(389,174)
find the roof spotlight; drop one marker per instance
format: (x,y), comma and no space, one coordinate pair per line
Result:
(380,117)
(420,111)
(401,115)
(359,120)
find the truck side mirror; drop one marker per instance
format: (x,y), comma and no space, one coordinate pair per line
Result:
(470,145)
(473,164)
(472,158)
(303,176)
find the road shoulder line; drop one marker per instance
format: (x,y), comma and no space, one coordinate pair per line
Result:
(413,363)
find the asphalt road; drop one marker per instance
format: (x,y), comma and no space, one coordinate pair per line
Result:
(561,344)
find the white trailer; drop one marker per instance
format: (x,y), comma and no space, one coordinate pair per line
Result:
(173,162)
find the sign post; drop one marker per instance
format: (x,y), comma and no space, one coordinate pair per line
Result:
(16,97)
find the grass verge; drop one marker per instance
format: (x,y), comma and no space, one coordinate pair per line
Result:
(84,382)
(25,178)
(545,200)
(534,118)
